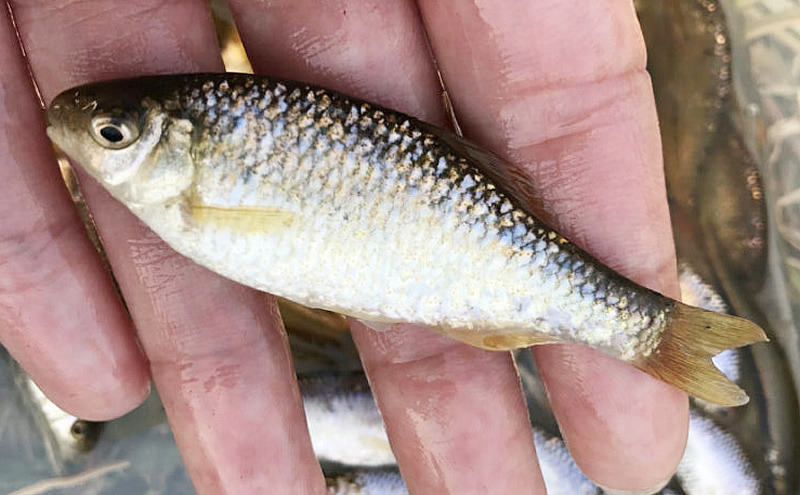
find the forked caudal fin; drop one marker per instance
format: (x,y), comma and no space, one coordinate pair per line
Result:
(691,338)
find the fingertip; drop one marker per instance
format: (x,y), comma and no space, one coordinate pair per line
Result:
(91,394)
(114,397)
(626,430)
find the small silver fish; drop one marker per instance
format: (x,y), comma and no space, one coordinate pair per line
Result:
(71,435)
(714,462)
(346,429)
(697,292)
(67,440)
(343,421)
(560,473)
(339,204)
(367,482)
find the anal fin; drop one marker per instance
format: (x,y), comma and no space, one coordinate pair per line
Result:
(494,340)
(498,340)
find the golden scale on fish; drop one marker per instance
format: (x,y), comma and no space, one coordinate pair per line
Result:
(343,205)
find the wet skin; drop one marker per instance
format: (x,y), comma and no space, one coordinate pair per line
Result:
(568,102)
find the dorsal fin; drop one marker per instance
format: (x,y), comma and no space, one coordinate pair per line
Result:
(509,178)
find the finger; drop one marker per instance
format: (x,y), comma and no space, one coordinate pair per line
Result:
(432,391)
(218,353)
(49,270)
(560,89)
(455,415)
(372,50)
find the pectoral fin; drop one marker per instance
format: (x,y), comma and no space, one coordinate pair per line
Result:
(244,219)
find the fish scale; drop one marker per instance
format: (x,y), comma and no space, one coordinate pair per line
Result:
(389,146)
(340,204)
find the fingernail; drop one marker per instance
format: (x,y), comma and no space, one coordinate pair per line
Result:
(614,491)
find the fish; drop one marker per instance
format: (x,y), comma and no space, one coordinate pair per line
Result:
(350,440)
(699,293)
(689,61)
(343,420)
(367,482)
(70,438)
(27,444)
(358,456)
(560,474)
(714,188)
(340,204)
(712,138)
(714,463)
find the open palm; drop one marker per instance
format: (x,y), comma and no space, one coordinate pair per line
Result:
(557,88)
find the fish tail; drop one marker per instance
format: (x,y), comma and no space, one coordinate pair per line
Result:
(691,338)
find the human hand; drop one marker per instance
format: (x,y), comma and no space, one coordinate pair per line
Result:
(557,88)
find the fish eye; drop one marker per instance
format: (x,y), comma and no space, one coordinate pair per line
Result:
(111,133)
(78,428)
(114,132)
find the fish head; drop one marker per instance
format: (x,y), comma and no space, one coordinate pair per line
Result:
(129,136)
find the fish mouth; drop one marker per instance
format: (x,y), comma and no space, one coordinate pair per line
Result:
(54,119)
(52,132)
(50,119)
(48,122)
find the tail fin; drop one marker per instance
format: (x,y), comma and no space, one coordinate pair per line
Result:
(683,357)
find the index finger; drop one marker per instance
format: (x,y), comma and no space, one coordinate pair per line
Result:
(559,88)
